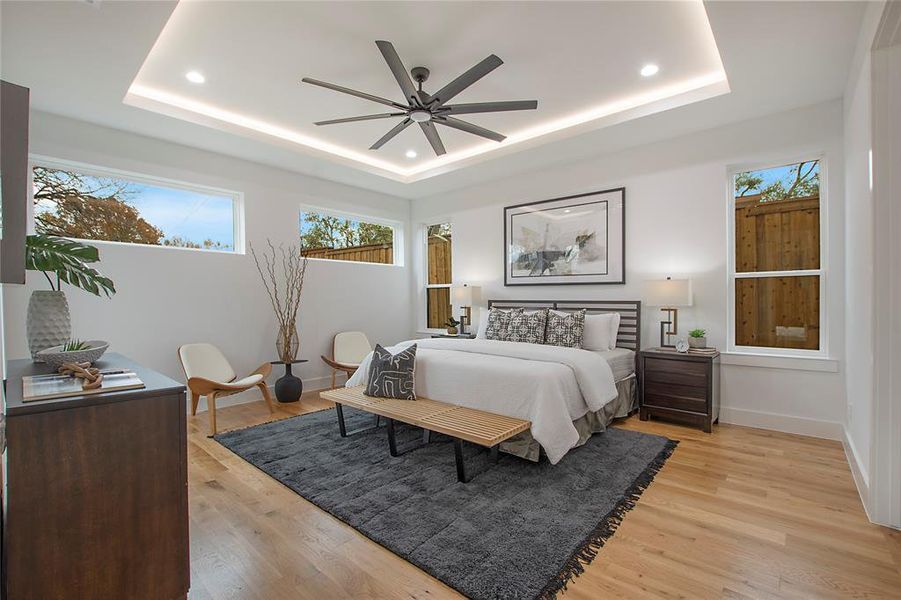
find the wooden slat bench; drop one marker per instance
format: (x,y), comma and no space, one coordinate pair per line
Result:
(461,423)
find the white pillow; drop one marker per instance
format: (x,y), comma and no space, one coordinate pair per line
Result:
(600,331)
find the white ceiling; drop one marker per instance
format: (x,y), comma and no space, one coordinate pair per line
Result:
(573,57)
(80,61)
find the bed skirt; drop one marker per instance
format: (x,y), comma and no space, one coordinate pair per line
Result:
(525,446)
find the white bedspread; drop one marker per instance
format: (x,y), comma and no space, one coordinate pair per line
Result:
(548,385)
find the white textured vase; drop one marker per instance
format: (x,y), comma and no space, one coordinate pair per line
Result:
(48,322)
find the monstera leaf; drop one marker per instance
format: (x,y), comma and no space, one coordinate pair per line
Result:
(69,260)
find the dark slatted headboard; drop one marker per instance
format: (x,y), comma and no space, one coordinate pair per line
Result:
(629,335)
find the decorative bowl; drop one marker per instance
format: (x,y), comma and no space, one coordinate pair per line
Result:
(55,356)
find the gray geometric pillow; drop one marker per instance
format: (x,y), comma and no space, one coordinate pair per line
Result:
(498,321)
(527,327)
(392,375)
(565,330)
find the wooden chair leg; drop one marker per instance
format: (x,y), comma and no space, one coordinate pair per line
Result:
(264,389)
(334,376)
(195,398)
(211,408)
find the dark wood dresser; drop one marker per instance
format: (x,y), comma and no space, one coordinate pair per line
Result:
(96,491)
(682,387)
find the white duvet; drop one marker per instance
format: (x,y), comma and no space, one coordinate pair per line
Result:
(548,385)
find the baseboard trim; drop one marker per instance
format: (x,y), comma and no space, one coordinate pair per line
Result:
(785,423)
(861,477)
(253,395)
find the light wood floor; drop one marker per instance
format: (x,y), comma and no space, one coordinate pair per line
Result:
(740,513)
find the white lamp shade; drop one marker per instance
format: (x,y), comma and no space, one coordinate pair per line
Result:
(668,292)
(462,294)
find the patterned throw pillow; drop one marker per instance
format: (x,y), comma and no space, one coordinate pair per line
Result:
(527,327)
(392,375)
(565,329)
(497,323)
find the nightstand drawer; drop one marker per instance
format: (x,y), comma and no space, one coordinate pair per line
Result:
(652,375)
(669,400)
(673,389)
(677,367)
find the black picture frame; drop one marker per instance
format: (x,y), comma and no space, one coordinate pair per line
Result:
(576,199)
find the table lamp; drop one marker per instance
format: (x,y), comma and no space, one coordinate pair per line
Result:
(462,295)
(668,294)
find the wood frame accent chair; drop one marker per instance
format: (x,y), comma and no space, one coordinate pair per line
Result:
(209,374)
(349,348)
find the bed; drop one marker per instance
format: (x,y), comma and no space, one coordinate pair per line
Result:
(567,394)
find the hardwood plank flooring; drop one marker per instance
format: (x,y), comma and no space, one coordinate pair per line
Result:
(740,513)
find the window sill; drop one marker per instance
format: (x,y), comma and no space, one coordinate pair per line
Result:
(776,361)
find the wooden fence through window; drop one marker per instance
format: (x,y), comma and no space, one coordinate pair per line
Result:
(373,253)
(780,235)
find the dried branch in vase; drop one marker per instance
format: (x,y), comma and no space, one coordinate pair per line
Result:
(282,271)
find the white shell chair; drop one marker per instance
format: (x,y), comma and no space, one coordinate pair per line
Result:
(349,348)
(209,374)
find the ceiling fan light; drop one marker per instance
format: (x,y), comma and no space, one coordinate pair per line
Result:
(421,116)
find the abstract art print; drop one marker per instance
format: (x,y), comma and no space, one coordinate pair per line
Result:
(572,240)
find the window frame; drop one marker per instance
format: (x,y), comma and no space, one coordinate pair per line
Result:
(424,273)
(38,160)
(822,272)
(397,227)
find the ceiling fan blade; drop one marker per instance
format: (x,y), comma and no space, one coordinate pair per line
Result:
(363,118)
(344,90)
(470,128)
(486,107)
(400,72)
(466,79)
(394,131)
(431,134)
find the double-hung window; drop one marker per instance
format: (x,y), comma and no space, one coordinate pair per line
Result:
(438,243)
(776,267)
(91,203)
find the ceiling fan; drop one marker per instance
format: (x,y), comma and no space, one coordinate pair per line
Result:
(429,109)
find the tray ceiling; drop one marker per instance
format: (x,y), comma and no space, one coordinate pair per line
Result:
(580,60)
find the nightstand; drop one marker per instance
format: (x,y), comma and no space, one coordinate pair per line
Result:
(462,336)
(682,387)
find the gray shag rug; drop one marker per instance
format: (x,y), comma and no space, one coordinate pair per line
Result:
(517,530)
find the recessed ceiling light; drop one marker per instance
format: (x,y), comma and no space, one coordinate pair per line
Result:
(411,153)
(649,70)
(195,77)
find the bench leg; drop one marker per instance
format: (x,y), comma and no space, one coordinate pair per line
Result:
(392,440)
(426,436)
(341,426)
(458,457)
(495,453)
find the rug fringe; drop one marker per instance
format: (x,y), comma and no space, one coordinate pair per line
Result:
(589,548)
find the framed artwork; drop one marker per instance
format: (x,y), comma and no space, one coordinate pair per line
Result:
(577,239)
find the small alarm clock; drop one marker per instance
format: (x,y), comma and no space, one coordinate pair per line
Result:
(682,346)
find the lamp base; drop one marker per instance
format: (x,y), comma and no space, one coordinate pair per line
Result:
(665,331)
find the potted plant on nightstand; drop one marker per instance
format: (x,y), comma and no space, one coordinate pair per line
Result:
(452,324)
(697,338)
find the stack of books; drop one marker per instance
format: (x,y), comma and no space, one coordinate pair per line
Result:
(702,350)
(47,387)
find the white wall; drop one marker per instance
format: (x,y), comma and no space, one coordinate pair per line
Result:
(859,255)
(676,224)
(168,297)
